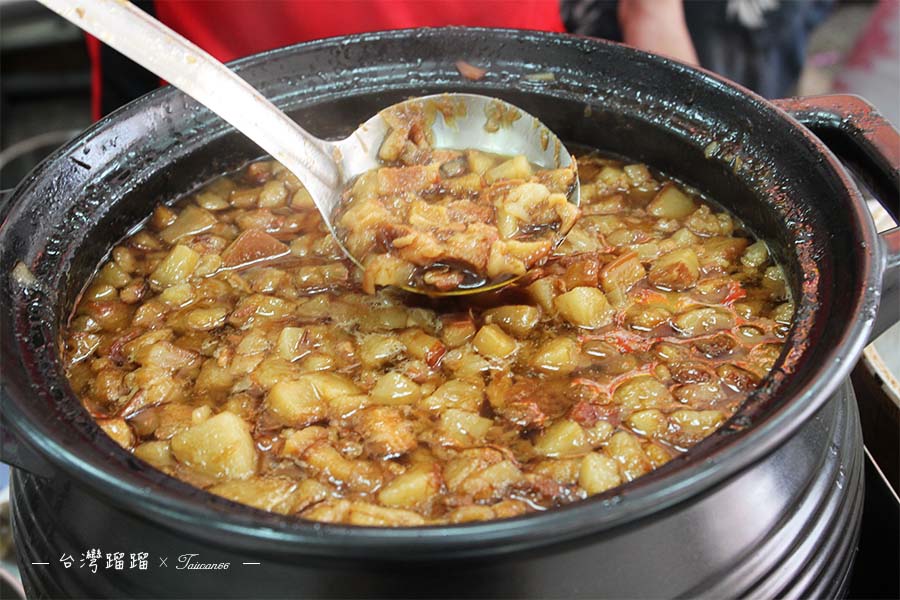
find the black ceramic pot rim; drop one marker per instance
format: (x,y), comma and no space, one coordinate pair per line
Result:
(110,471)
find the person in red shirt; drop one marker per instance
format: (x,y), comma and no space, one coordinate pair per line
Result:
(237,28)
(230,29)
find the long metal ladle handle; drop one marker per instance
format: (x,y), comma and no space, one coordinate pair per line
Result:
(157,48)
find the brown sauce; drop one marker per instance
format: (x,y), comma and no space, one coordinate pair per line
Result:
(229,344)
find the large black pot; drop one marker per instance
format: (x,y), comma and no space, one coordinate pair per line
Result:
(767,505)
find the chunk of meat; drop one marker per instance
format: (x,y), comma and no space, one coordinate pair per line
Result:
(385,431)
(527,402)
(690,372)
(715,346)
(586,413)
(253,248)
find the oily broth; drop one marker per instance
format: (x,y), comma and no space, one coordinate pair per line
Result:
(397,409)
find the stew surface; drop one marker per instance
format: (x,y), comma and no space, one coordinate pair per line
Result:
(228,343)
(446,220)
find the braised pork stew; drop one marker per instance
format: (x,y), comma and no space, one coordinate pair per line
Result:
(230,344)
(446,220)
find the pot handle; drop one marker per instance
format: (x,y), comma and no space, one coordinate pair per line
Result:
(870,146)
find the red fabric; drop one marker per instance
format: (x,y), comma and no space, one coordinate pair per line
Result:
(230,29)
(234,28)
(93,48)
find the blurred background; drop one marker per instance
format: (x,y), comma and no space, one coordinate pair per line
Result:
(776,47)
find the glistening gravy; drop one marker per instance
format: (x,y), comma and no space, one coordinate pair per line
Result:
(229,344)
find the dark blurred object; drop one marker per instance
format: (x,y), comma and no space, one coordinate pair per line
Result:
(760,44)
(875,566)
(7,545)
(10,586)
(121,80)
(46,86)
(872,67)
(19,158)
(596,18)
(880,418)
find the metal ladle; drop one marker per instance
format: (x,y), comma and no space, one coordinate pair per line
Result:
(324,167)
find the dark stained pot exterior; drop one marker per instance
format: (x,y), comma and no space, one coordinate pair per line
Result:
(768,505)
